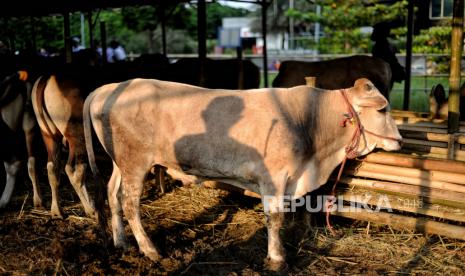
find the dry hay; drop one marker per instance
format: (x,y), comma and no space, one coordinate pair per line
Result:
(206,231)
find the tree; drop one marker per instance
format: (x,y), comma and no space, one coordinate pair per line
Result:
(341,21)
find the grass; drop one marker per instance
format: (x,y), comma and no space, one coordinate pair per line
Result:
(420,88)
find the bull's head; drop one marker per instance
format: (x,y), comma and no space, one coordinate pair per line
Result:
(378,128)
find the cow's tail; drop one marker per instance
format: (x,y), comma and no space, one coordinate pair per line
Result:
(100,185)
(39,101)
(88,134)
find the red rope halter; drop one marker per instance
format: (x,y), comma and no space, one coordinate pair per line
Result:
(350,149)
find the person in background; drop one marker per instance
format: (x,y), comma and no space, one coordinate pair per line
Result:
(119,54)
(384,50)
(76,44)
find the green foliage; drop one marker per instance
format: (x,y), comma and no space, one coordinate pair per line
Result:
(342,19)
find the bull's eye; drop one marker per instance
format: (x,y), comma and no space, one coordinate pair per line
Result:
(368,87)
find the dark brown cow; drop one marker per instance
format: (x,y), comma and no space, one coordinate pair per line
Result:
(221,73)
(275,142)
(439,104)
(336,73)
(17,134)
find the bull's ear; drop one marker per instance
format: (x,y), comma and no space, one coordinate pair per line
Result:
(376,101)
(368,95)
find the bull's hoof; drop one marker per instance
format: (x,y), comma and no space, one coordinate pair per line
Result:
(276,266)
(153,255)
(56,215)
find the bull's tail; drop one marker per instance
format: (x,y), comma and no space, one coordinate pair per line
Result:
(88,134)
(39,102)
(100,185)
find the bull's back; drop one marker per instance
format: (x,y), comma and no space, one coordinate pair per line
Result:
(336,73)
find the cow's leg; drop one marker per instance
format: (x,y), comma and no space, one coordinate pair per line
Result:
(76,177)
(53,171)
(28,125)
(114,200)
(273,206)
(132,184)
(11,170)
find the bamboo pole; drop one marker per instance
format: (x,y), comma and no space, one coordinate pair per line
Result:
(399,221)
(422,128)
(430,155)
(455,64)
(440,185)
(437,150)
(438,137)
(439,177)
(429,195)
(424,143)
(384,201)
(404,160)
(406,113)
(414,120)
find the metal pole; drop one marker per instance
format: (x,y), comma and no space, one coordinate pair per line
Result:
(291,27)
(317,30)
(66,35)
(265,54)
(201,28)
(202,39)
(456,57)
(408,56)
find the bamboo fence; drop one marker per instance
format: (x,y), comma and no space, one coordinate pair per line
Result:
(423,183)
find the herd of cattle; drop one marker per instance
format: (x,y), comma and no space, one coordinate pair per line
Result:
(197,121)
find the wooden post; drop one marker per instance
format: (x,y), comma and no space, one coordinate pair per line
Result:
(408,56)
(91,29)
(163,31)
(33,34)
(264,4)
(310,81)
(456,57)
(67,37)
(103,39)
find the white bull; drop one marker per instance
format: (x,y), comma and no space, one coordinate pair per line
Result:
(275,142)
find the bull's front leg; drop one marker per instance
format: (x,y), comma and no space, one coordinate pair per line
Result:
(11,169)
(273,206)
(276,257)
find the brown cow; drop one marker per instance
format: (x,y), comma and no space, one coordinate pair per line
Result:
(336,73)
(274,142)
(57,103)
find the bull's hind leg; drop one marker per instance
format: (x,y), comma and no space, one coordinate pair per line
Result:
(76,177)
(53,171)
(11,169)
(132,185)
(28,127)
(114,200)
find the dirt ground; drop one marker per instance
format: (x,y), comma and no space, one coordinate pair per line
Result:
(203,231)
